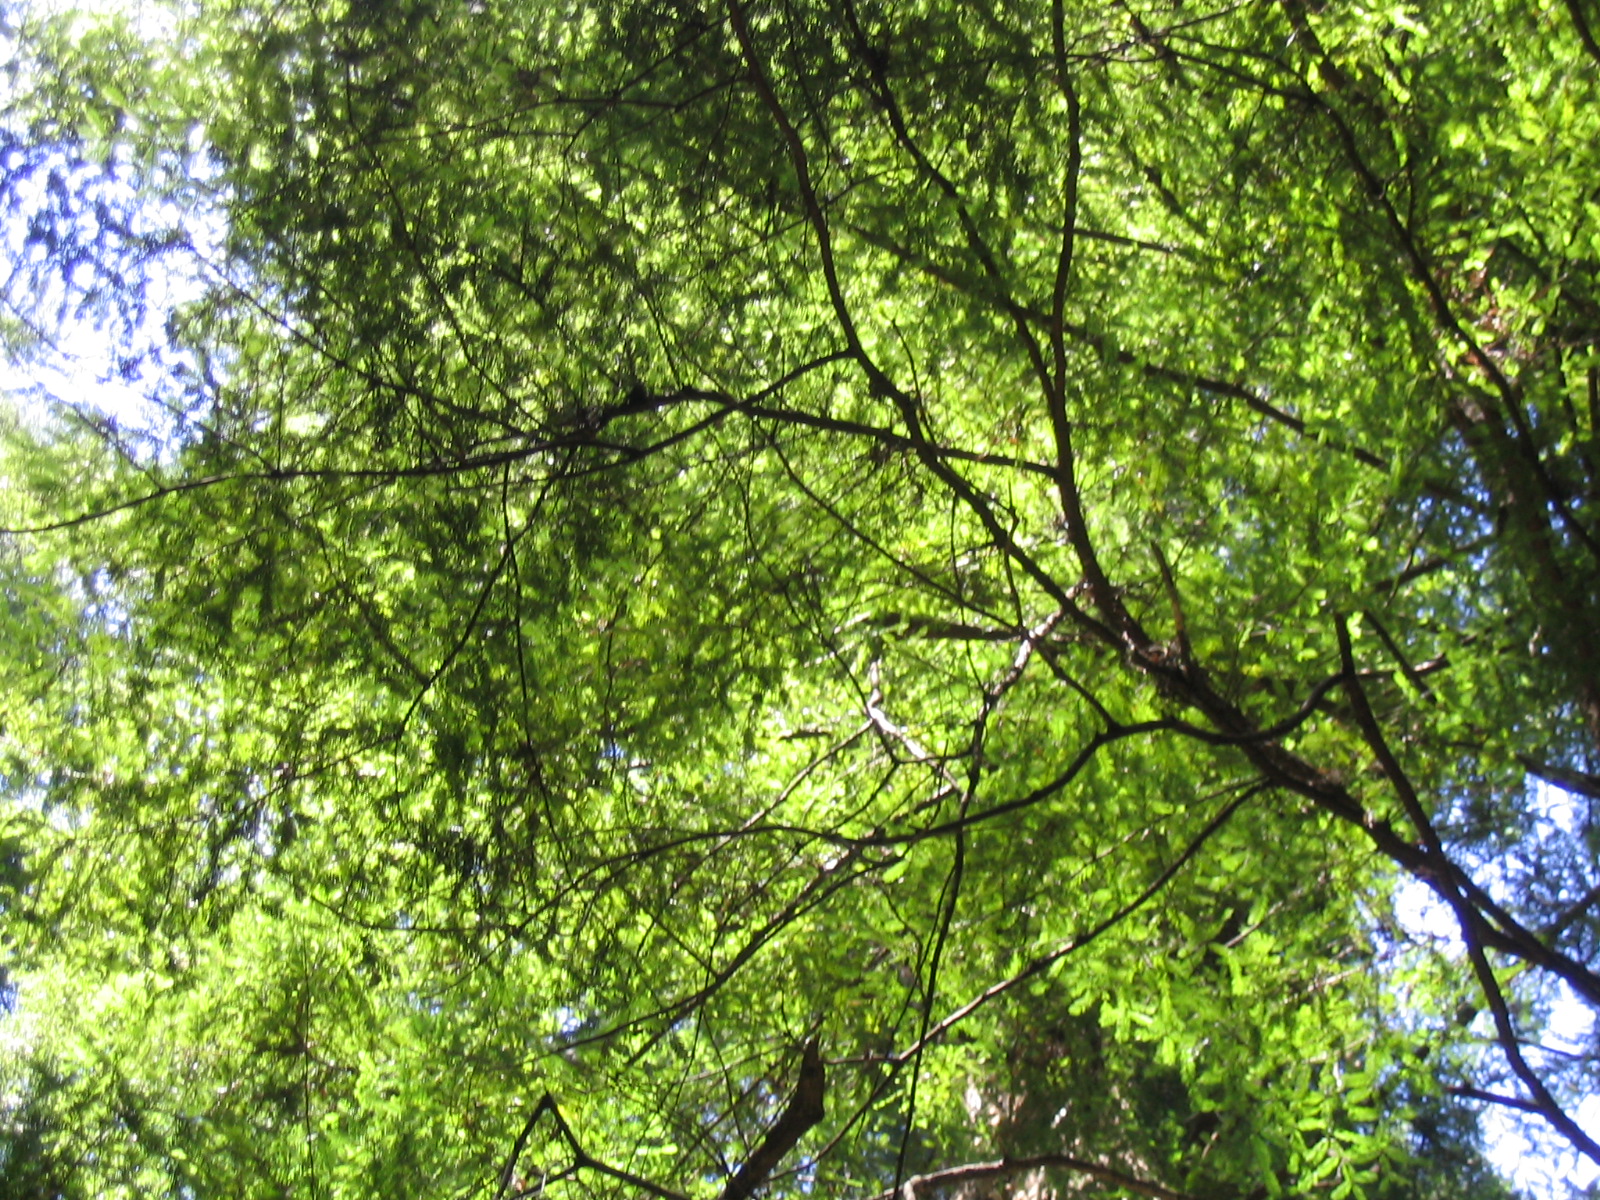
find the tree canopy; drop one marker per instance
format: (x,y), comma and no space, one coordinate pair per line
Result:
(816,595)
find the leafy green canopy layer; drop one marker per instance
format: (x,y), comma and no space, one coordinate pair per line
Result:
(980,540)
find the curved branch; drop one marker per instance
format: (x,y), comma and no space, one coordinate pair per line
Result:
(1580,24)
(1004,1168)
(1045,961)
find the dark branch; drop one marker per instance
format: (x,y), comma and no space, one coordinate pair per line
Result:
(582,1160)
(1472,1093)
(805,1109)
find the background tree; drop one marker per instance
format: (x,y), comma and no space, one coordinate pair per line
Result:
(987,544)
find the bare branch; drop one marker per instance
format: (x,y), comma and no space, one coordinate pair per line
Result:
(582,1160)
(1004,1168)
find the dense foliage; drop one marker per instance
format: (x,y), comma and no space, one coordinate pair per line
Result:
(992,551)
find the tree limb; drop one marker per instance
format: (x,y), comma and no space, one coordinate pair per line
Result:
(581,1159)
(1005,1167)
(805,1109)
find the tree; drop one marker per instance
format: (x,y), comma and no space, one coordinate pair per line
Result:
(969,551)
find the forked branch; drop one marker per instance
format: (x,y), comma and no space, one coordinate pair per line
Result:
(804,1110)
